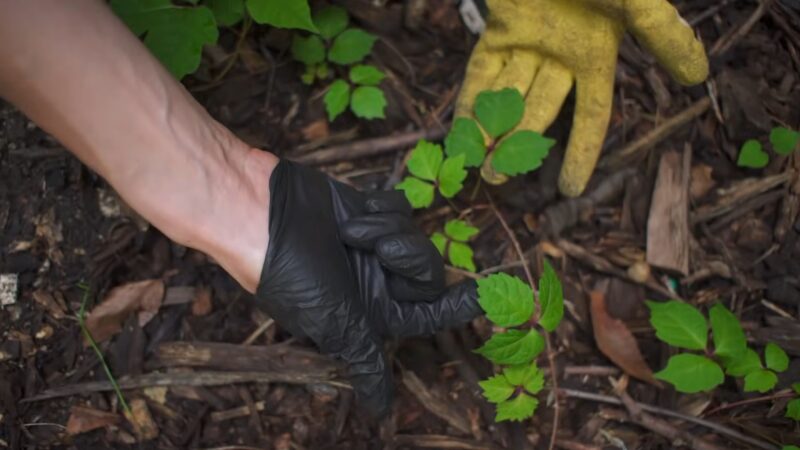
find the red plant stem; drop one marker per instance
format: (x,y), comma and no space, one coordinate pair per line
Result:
(550,358)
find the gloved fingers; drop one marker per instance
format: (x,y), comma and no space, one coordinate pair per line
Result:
(457,306)
(411,255)
(519,71)
(594,96)
(483,67)
(404,289)
(363,232)
(546,96)
(368,372)
(659,27)
(388,201)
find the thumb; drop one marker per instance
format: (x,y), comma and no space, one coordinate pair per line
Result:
(659,27)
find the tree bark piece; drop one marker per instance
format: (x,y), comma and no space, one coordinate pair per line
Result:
(668,224)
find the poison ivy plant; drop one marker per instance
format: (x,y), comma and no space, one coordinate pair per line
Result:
(497,114)
(509,303)
(429,171)
(176,34)
(453,243)
(342,46)
(783,140)
(684,326)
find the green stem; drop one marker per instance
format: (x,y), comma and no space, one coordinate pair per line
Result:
(93,344)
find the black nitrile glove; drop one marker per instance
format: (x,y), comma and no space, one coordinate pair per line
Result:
(348,270)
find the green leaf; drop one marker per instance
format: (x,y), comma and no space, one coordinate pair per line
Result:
(496,389)
(330,21)
(521,153)
(451,176)
(551,298)
(691,373)
(418,192)
(790,447)
(226,12)
(465,138)
(776,358)
(499,111)
(366,75)
(458,230)
(783,140)
(742,364)
(508,301)
(761,380)
(351,46)
(526,375)
(793,409)
(174,35)
(512,347)
(751,155)
(439,241)
(309,75)
(282,13)
(308,50)
(426,160)
(796,388)
(336,99)
(460,255)
(517,409)
(679,324)
(368,102)
(729,339)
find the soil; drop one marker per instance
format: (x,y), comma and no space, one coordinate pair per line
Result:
(62,227)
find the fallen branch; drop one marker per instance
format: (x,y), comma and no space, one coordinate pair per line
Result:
(665,129)
(369,147)
(188,379)
(439,441)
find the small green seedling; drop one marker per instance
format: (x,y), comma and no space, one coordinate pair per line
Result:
(453,243)
(429,170)
(497,113)
(793,407)
(343,46)
(509,303)
(752,155)
(176,34)
(684,326)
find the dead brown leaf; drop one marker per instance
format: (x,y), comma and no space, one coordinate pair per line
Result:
(616,341)
(143,297)
(83,419)
(702,181)
(316,130)
(201,304)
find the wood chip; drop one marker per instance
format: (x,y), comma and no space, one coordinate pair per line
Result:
(143,297)
(668,224)
(142,421)
(201,303)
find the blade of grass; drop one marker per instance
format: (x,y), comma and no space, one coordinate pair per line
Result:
(93,344)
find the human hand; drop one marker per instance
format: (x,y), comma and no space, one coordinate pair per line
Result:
(542,47)
(348,270)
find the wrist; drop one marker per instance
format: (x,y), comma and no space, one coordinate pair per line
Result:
(234,226)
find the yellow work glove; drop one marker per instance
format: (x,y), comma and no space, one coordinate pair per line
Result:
(542,47)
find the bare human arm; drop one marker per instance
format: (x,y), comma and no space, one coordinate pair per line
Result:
(80,74)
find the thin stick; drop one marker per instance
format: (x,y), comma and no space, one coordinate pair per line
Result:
(258,332)
(550,359)
(782,394)
(573,393)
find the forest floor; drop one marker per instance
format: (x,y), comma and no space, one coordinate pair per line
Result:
(206,369)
